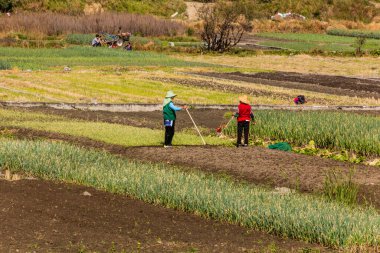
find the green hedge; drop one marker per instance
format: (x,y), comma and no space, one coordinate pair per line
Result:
(355,33)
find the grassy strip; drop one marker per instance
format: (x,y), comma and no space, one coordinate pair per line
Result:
(307,46)
(346,66)
(354,33)
(296,216)
(358,133)
(307,42)
(106,132)
(308,37)
(43,58)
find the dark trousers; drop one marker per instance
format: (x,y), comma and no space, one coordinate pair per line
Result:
(169,133)
(242,125)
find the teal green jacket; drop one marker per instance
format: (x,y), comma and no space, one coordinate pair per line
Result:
(169,112)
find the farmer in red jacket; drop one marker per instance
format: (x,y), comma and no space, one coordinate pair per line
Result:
(244,116)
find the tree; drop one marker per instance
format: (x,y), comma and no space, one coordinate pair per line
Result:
(224,24)
(6,5)
(360,42)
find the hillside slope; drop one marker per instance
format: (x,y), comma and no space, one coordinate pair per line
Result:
(156,7)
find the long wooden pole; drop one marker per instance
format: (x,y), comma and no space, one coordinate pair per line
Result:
(204,143)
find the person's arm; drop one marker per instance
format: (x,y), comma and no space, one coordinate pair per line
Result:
(252,116)
(173,107)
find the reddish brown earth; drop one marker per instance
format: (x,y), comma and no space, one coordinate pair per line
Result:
(204,118)
(253,164)
(41,216)
(338,85)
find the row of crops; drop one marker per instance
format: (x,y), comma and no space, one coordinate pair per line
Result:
(291,215)
(42,58)
(333,130)
(354,33)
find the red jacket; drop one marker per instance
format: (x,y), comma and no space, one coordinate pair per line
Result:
(244,111)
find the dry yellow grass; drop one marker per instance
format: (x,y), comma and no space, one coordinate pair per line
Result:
(346,66)
(108,85)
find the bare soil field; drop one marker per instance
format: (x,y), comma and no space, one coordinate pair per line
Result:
(338,85)
(205,118)
(42,216)
(253,164)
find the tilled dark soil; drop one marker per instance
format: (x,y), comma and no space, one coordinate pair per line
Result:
(253,164)
(338,85)
(205,118)
(41,216)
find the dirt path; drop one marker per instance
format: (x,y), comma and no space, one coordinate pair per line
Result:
(41,216)
(192,10)
(254,164)
(338,85)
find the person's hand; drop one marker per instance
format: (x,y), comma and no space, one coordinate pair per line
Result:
(185,107)
(253,123)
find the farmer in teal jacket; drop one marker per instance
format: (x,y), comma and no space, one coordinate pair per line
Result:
(169,111)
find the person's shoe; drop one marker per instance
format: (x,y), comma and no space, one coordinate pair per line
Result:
(238,145)
(245,145)
(167,146)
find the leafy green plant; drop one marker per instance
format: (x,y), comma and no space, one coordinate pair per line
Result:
(4,65)
(332,130)
(6,5)
(79,39)
(309,149)
(340,187)
(360,41)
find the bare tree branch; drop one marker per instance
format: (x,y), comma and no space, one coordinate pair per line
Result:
(224,24)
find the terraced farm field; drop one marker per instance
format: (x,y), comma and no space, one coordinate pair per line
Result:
(99,181)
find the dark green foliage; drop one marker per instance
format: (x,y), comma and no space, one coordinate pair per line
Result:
(4,65)
(360,41)
(80,39)
(354,33)
(6,5)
